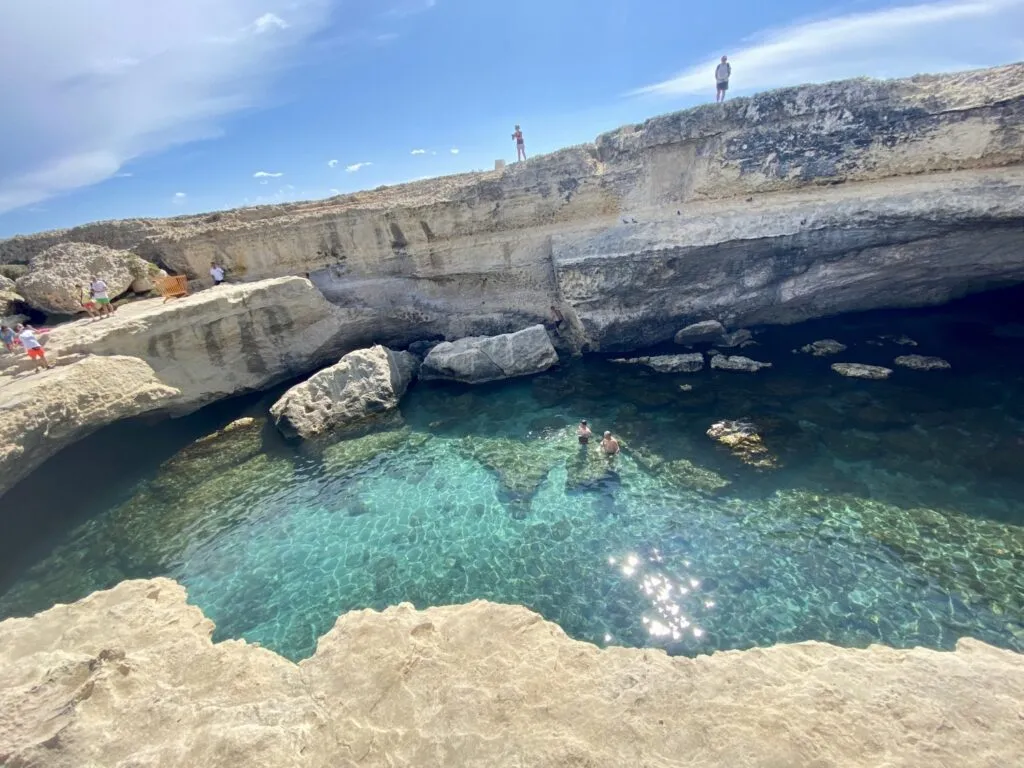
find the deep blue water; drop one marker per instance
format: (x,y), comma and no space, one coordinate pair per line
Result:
(895,515)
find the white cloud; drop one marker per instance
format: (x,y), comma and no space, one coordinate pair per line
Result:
(123,175)
(266,175)
(334,192)
(892,42)
(418,152)
(454,150)
(180,195)
(78,107)
(356,166)
(179,198)
(332,163)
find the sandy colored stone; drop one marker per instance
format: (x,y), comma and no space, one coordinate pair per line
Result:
(45,412)
(479,359)
(704,332)
(363,385)
(129,677)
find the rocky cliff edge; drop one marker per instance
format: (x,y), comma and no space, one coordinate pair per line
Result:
(130,677)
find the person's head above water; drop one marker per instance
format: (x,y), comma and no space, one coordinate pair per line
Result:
(607,434)
(583,422)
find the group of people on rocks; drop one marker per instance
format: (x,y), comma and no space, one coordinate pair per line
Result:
(27,337)
(95,299)
(609,445)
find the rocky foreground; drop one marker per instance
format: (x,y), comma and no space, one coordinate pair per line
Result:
(784,206)
(129,677)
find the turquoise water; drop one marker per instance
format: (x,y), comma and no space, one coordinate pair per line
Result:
(894,514)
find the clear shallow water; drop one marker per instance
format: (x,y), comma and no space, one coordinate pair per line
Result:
(895,516)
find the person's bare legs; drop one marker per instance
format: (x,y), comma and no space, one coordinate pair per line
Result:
(521,151)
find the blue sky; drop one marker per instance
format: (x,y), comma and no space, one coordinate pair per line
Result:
(121,108)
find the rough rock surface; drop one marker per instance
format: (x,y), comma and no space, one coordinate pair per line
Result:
(823,348)
(42,414)
(744,440)
(922,363)
(118,678)
(688,363)
(10,299)
(54,273)
(737,363)
(235,339)
(861,371)
(364,384)
(704,332)
(784,206)
(488,358)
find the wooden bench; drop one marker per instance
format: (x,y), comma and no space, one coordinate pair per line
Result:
(172,286)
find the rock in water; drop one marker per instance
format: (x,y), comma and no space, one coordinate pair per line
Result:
(744,441)
(860,371)
(735,339)
(823,347)
(362,385)
(706,332)
(690,363)
(737,363)
(477,359)
(922,363)
(53,274)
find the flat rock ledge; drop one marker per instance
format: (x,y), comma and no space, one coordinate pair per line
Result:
(922,363)
(363,385)
(130,677)
(861,371)
(688,363)
(737,363)
(478,359)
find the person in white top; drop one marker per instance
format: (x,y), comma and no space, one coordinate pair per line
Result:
(30,343)
(217,273)
(99,294)
(722,73)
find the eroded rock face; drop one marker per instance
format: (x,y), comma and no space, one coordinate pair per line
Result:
(737,363)
(689,363)
(117,678)
(10,299)
(42,414)
(922,363)
(861,371)
(488,358)
(53,277)
(363,385)
(705,332)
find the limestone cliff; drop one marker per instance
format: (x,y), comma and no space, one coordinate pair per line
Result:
(784,206)
(130,677)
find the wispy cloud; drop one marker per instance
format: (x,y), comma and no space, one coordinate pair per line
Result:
(266,175)
(454,150)
(123,175)
(332,163)
(179,198)
(892,42)
(78,107)
(356,166)
(334,192)
(418,152)
(410,8)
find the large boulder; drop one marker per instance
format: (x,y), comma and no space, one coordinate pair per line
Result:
(42,414)
(53,274)
(363,385)
(488,358)
(705,332)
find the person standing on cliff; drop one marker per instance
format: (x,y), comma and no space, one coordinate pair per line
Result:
(217,273)
(520,144)
(722,73)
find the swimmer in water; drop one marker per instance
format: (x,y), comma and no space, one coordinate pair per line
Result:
(609,444)
(583,432)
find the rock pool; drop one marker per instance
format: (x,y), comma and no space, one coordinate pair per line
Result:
(891,511)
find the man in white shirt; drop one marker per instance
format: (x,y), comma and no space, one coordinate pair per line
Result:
(722,73)
(30,343)
(101,296)
(217,273)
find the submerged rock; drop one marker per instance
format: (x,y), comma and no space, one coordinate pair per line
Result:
(351,453)
(477,359)
(861,371)
(521,465)
(735,339)
(922,363)
(682,473)
(823,348)
(705,332)
(689,363)
(737,363)
(363,385)
(744,441)
(53,275)
(901,340)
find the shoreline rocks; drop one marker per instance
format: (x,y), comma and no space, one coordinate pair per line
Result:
(479,359)
(922,363)
(363,385)
(861,371)
(737,363)
(704,332)
(688,363)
